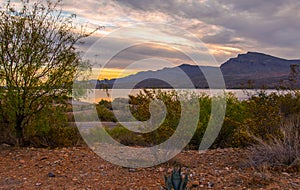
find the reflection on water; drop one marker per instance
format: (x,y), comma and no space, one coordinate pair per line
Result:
(97,95)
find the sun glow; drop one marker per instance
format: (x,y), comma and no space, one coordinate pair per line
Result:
(111,73)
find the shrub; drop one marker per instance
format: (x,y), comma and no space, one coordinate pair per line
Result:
(278,152)
(231,134)
(140,105)
(205,109)
(126,137)
(263,115)
(104,114)
(259,116)
(51,129)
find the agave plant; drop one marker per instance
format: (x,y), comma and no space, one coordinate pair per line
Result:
(176,181)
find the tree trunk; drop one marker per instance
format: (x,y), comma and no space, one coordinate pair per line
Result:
(19,132)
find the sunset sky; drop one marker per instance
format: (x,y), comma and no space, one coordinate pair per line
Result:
(226,28)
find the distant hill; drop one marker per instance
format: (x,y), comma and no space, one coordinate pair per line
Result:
(257,68)
(250,70)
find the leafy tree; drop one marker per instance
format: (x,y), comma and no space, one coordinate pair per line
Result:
(38,59)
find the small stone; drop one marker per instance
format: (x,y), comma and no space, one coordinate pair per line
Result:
(195,183)
(160,169)
(75,179)
(258,175)
(286,174)
(294,184)
(38,184)
(50,174)
(22,161)
(43,158)
(83,175)
(56,161)
(132,170)
(210,184)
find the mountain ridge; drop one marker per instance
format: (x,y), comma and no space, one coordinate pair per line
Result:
(250,70)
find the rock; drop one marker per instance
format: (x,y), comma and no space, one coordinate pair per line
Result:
(294,184)
(75,179)
(50,174)
(43,158)
(210,184)
(195,183)
(132,170)
(83,175)
(161,169)
(56,162)
(22,161)
(38,184)
(285,174)
(258,175)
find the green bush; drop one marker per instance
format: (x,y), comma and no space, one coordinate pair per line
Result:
(259,116)
(51,129)
(126,137)
(170,99)
(230,134)
(263,115)
(104,114)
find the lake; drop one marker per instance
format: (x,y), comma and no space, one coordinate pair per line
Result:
(96,95)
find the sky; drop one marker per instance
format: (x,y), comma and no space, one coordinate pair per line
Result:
(161,33)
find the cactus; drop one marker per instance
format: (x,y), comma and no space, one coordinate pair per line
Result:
(176,181)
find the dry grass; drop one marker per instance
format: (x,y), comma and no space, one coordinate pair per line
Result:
(280,151)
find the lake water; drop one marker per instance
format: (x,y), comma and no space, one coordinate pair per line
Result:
(96,95)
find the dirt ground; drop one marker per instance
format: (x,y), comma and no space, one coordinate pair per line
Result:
(81,168)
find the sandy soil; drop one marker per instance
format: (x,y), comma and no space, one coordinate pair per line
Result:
(80,168)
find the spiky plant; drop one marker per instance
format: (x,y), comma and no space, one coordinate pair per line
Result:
(176,181)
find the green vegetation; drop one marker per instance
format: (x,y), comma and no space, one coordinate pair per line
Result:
(259,117)
(38,64)
(176,181)
(266,123)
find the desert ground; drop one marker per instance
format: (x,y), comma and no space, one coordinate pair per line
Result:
(81,168)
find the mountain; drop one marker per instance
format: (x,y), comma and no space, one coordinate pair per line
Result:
(246,70)
(257,68)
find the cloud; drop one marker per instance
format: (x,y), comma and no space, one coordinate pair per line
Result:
(223,37)
(228,27)
(268,23)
